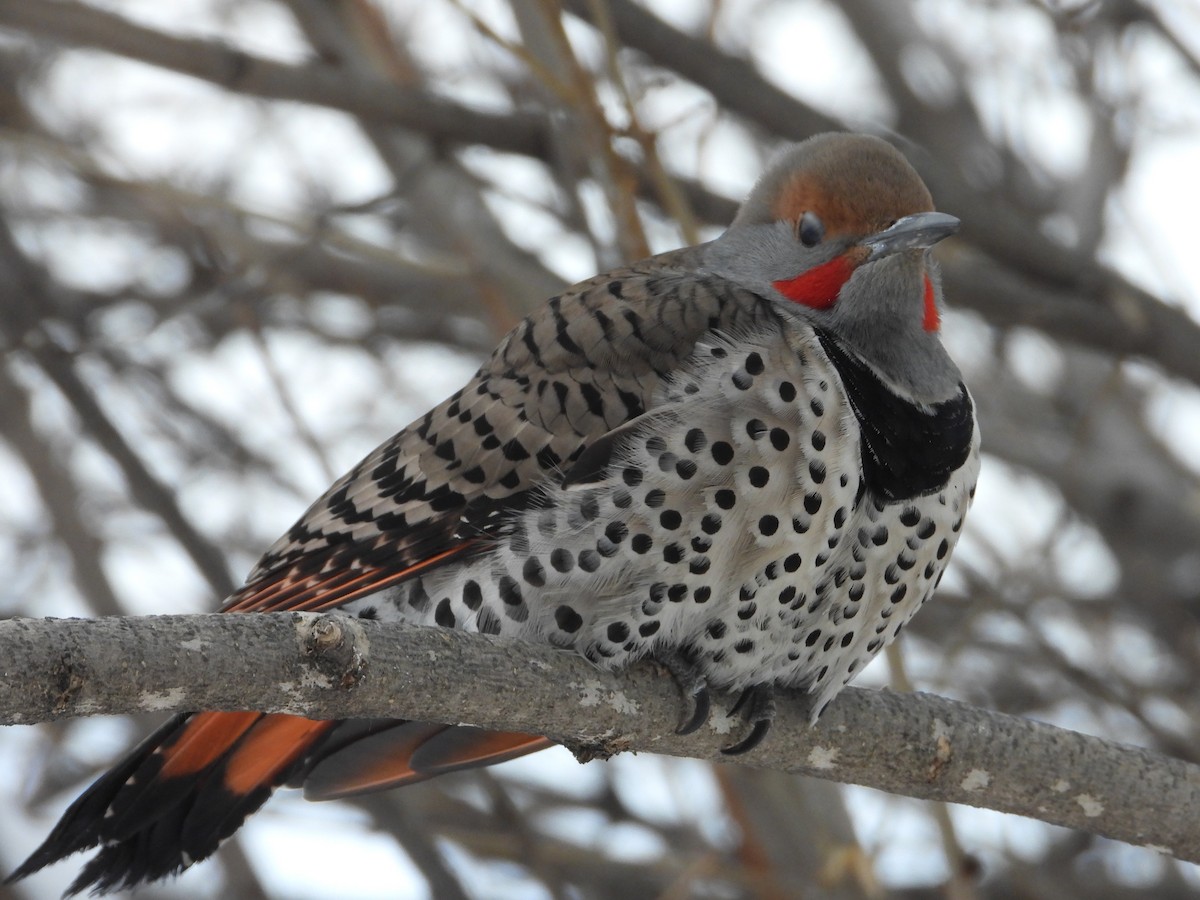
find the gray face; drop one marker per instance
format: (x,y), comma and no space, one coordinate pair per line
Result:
(836,231)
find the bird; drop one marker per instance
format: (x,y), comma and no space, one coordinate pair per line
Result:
(747,460)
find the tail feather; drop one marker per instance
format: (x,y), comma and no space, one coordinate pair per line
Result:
(191,784)
(176,796)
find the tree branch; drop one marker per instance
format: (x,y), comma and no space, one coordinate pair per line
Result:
(331,666)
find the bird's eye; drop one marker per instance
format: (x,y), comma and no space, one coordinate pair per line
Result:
(810,230)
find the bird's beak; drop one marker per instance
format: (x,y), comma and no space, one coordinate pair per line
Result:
(918,230)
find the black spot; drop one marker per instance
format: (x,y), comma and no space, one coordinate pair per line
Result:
(622,499)
(929,570)
(745,645)
(699,565)
(813,637)
(641,543)
(702,594)
(768,525)
(910,516)
(418,597)
(747,610)
(756,428)
(443,615)
(514,451)
(817,407)
(618,632)
(547,458)
(780,439)
(722,453)
(658,592)
(670,519)
(533,572)
(925,532)
(673,553)
(874,645)
(787,595)
(685,469)
(821,675)
(589,560)
(667,461)
(568,620)
(906,562)
(880,537)
(695,440)
(812,503)
(726,499)
(890,575)
(676,592)
(701,544)
(718,353)
(943,549)
(616,531)
(746,593)
(606,548)
(741,380)
(510,591)
(648,629)
(655,444)
(632,476)
(369,612)
(847,638)
(787,391)
(856,592)
(655,498)
(710,524)
(799,525)
(839,517)
(772,569)
(754,364)
(818,439)
(759,476)
(792,563)
(899,593)
(589,508)
(829,642)
(472,595)
(487,622)
(716,629)
(816,471)
(561,559)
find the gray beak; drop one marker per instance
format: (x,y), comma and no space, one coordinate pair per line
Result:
(918,230)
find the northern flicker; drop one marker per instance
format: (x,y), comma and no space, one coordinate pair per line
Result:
(749,460)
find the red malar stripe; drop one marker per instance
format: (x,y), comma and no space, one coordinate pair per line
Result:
(932,320)
(819,286)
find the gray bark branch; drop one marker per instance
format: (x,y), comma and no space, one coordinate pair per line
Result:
(331,666)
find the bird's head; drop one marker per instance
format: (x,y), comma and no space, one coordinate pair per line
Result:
(836,221)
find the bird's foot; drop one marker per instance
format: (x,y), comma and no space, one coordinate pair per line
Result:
(692,685)
(759,701)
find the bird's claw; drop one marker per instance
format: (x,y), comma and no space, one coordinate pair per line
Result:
(759,700)
(694,688)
